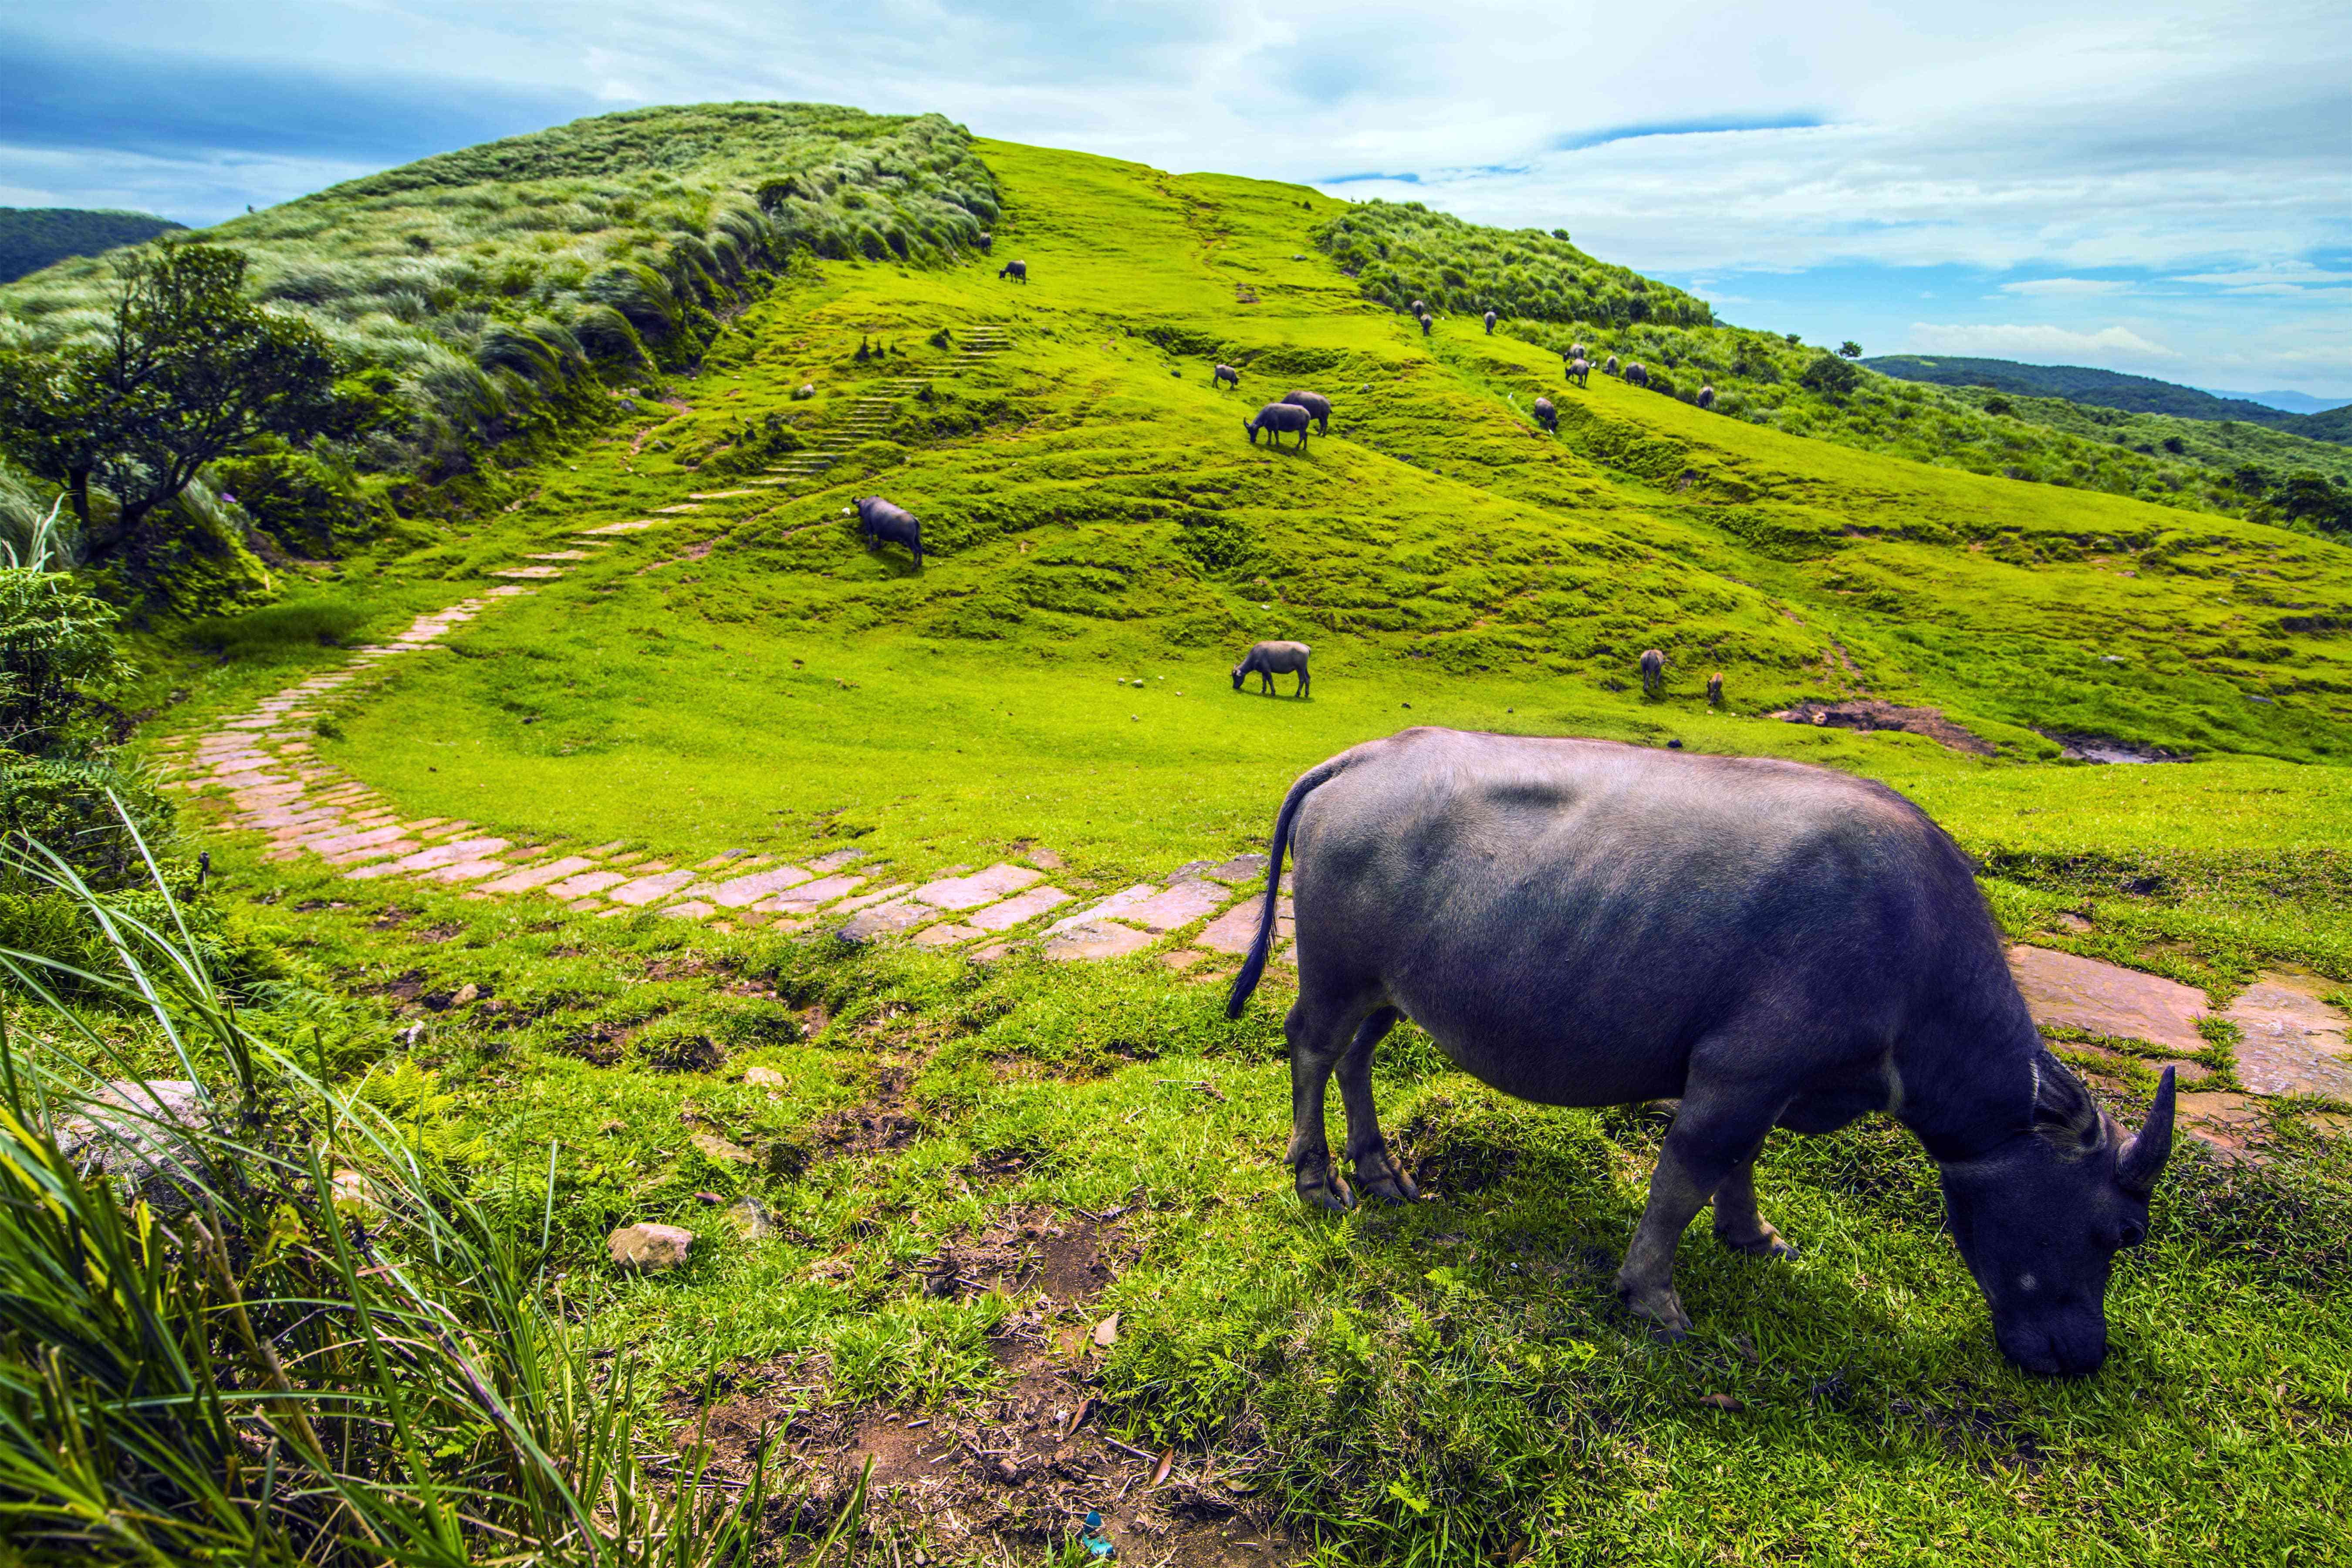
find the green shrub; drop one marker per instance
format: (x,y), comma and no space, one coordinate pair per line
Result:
(273,629)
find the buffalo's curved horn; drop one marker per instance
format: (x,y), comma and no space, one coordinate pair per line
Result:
(2142,1158)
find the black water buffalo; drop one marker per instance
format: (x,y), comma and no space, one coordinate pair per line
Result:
(1706,397)
(1426,323)
(881,522)
(1611,367)
(1315,403)
(1418,308)
(1575,351)
(1653,673)
(1547,416)
(1226,374)
(1268,659)
(1278,419)
(1637,374)
(1490,323)
(987,240)
(1582,922)
(1016,270)
(1578,371)
(1714,689)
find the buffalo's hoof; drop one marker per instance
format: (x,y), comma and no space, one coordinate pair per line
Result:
(1767,1243)
(1326,1189)
(1659,1304)
(1381,1177)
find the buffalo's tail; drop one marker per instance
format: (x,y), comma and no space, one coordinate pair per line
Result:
(1254,965)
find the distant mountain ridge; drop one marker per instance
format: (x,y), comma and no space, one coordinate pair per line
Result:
(34,237)
(2293,401)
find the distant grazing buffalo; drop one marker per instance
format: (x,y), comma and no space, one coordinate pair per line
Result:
(1268,659)
(1426,323)
(1714,689)
(1580,371)
(1278,420)
(884,523)
(1586,923)
(1315,403)
(1490,323)
(987,240)
(1706,397)
(1016,270)
(1612,365)
(1227,376)
(1653,673)
(1637,374)
(1547,416)
(1575,351)
(1418,308)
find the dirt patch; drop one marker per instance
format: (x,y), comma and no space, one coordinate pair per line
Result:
(1066,1261)
(1873,714)
(2081,748)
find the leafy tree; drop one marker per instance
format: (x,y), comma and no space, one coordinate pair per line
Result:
(1850,349)
(2251,478)
(2306,497)
(1830,375)
(189,372)
(59,662)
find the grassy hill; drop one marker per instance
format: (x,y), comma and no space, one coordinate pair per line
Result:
(34,238)
(1445,1383)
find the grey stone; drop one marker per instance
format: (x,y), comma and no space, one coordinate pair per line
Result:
(649,1248)
(137,1132)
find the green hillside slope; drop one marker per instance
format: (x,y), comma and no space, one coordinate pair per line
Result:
(34,238)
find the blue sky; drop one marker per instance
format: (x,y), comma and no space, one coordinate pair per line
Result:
(2164,189)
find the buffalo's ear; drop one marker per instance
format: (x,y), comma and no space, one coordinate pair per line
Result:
(2143,1155)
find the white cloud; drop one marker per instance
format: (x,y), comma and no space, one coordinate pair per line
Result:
(2045,345)
(2066,288)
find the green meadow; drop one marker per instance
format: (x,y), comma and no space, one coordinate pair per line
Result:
(1450,1382)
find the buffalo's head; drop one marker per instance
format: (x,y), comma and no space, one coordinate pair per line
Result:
(1240,670)
(2040,1217)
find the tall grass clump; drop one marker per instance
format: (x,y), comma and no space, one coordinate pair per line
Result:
(242,1318)
(498,287)
(1401,251)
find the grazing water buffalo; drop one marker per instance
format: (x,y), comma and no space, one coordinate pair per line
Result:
(1490,323)
(1315,403)
(1580,371)
(1016,270)
(1269,660)
(1278,419)
(1706,397)
(1575,351)
(1426,323)
(1611,367)
(987,240)
(1653,673)
(1637,374)
(1418,308)
(884,523)
(1581,922)
(1226,374)
(1714,689)
(1547,416)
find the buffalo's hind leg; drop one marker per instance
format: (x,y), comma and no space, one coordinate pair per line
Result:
(1737,1224)
(1376,1170)
(1318,1033)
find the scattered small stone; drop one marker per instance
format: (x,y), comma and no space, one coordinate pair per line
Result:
(649,1248)
(712,1199)
(763,1075)
(717,1148)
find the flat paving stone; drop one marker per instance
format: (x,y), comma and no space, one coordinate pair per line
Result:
(946,933)
(531,877)
(2066,990)
(588,882)
(392,850)
(882,919)
(430,860)
(467,871)
(739,891)
(833,861)
(1125,898)
(335,843)
(1179,906)
(692,910)
(1091,940)
(1240,869)
(1020,909)
(876,897)
(1234,930)
(528,572)
(2291,1041)
(643,891)
(980,887)
(561,555)
(640,524)
(807,897)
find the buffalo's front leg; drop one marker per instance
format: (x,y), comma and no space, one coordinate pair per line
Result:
(1712,1136)
(1318,1036)
(1376,1170)
(1737,1224)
